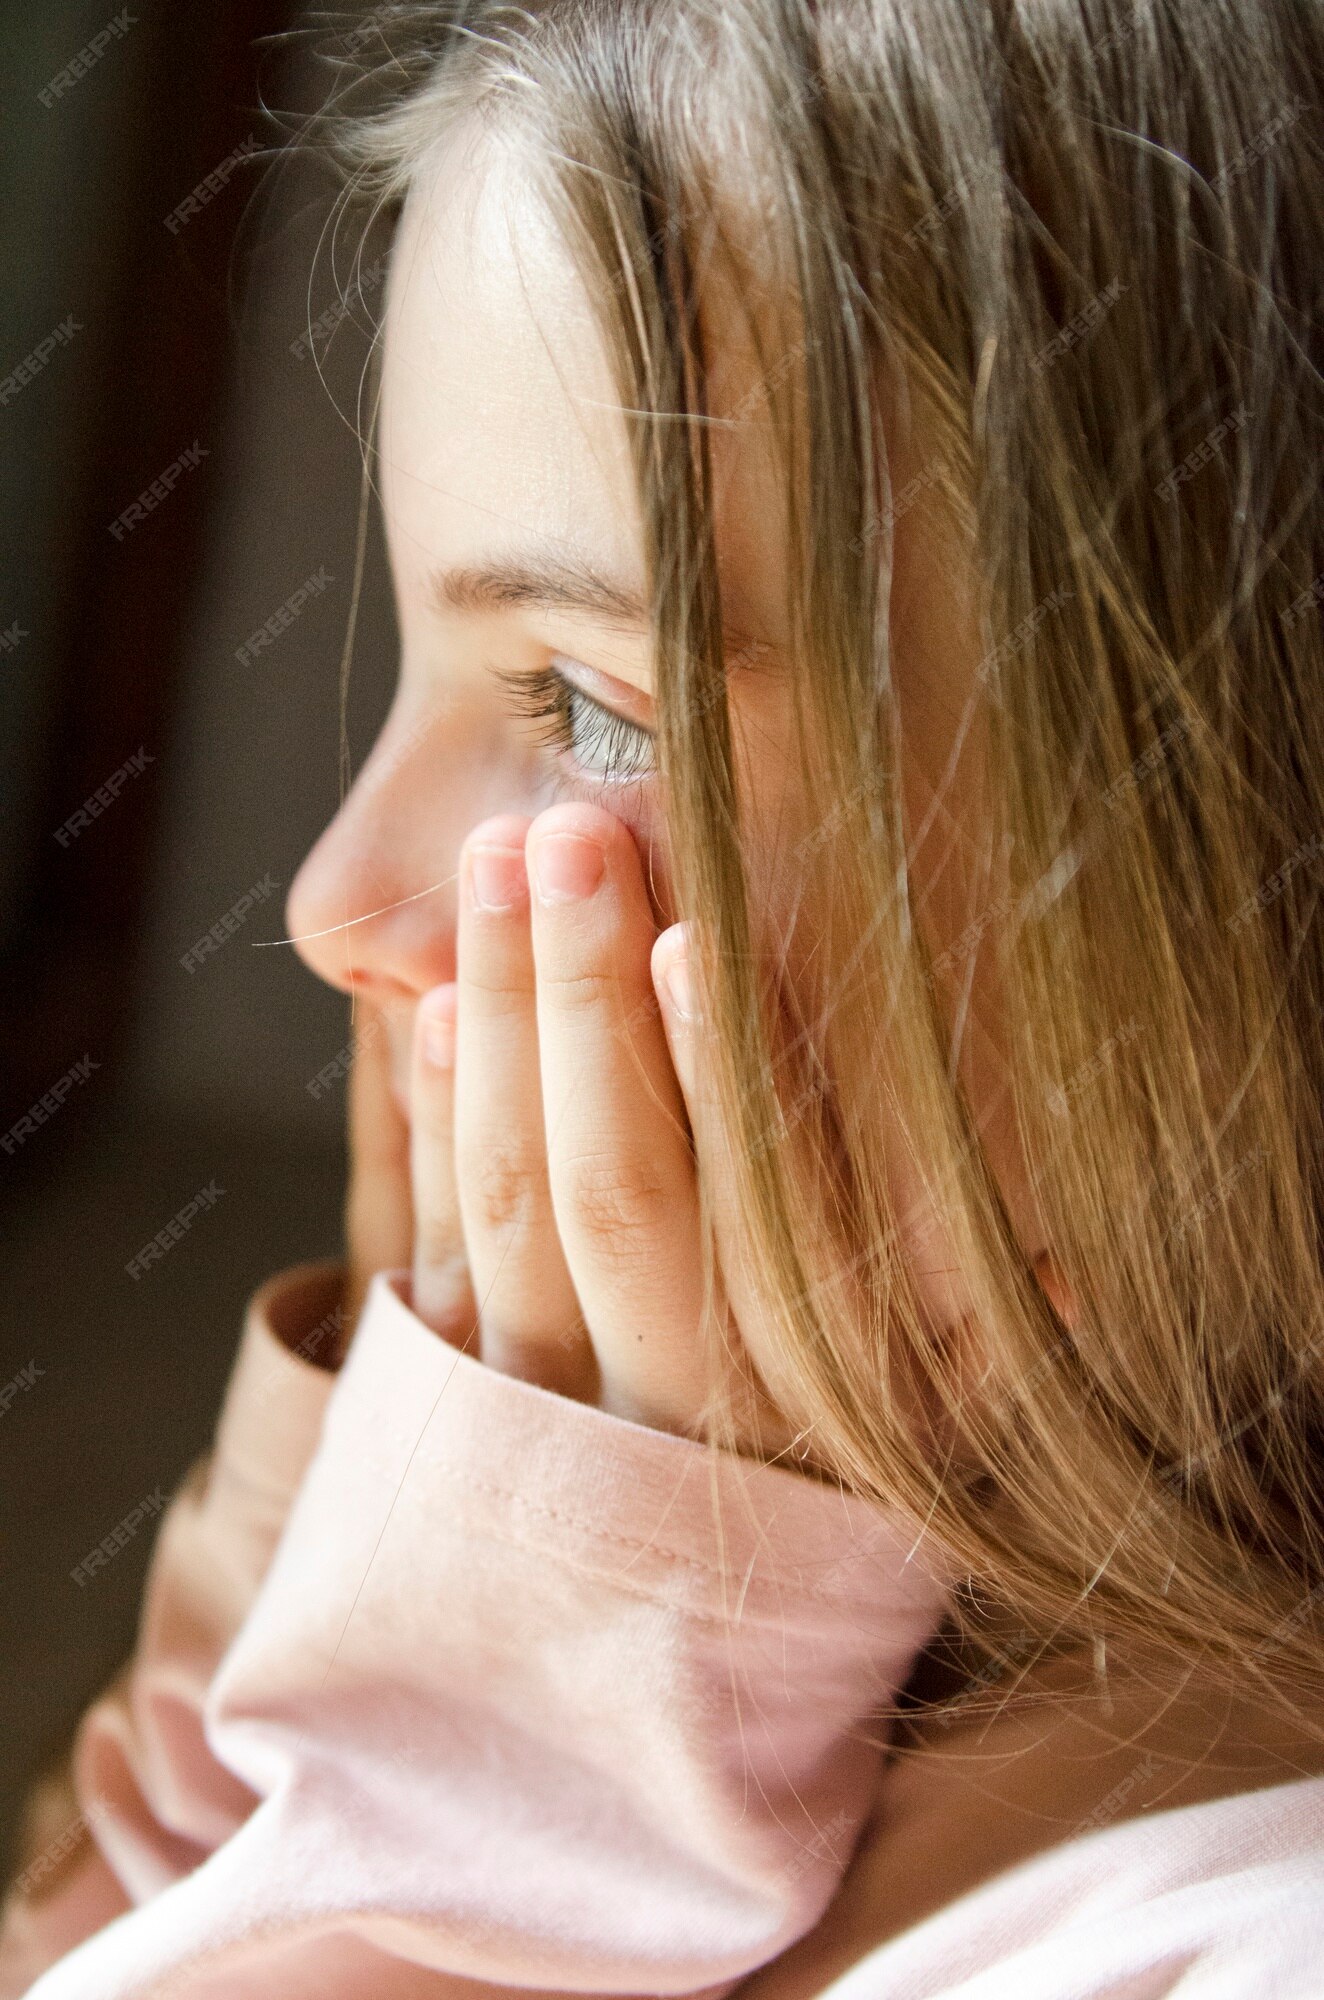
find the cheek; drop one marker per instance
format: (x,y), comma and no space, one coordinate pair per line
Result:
(779,849)
(775,833)
(639,811)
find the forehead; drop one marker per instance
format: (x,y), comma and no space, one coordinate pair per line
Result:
(500,418)
(497,418)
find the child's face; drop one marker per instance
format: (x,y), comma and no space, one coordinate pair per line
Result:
(501,444)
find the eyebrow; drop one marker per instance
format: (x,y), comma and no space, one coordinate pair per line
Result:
(545,579)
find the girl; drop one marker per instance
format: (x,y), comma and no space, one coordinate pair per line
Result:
(837,1150)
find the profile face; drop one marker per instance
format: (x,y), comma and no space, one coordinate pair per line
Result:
(515,545)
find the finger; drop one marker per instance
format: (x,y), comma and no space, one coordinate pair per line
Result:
(530,1321)
(762,1400)
(841,1281)
(379,1220)
(443,1296)
(622,1174)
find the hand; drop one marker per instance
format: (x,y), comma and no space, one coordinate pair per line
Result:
(379,1214)
(552,1096)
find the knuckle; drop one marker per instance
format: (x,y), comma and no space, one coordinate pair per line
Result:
(500,1183)
(439,1255)
(582,989)
(501,983)
(614,1200)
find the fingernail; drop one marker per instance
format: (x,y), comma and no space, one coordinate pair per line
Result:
(680,987)
(496,875)
(566,867)
(439,1028)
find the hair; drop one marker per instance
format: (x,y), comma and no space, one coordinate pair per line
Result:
(1063,259)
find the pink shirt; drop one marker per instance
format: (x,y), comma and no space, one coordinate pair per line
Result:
(447,1686)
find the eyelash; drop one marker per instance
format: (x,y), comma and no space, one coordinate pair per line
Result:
(543,694)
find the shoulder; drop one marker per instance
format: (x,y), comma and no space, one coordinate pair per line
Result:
(1225,1896)
(1221,1900)
(1083,1832)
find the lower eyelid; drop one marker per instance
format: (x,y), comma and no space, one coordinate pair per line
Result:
(615,730)
(628,799)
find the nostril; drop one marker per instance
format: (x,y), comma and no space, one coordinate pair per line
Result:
(360,937)
(380,984)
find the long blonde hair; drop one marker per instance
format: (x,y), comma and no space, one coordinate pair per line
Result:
(1084,244)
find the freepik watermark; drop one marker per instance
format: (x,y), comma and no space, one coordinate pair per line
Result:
(209,186)
(1126,787)
(88,56)
(1175,1481)
(1059,1097)
(47,1105)
(900,504)
(990,666)
(956,195)
(160,489)
(1077,326)
(1115,1801)
(836,820)
(325,1336)
(178,1226)
(1219,1193)
(1273,886)
(1061,91)
(382,762)
(1208,448)
(1287,1626)
(1040,896)
(831,1843)
(1123,32)
(1266,137)
(968,942)
(12,637)
(320,330)
(799,1116)
(55,1851)
(763,390)
(44,351)
(1004,1660)
(1312,594)
(284,616)
(104,795)
(225,927)
(106,1550)
(329,1328)
(11,1390)
(879,1538)
(340,1066)
(356,39)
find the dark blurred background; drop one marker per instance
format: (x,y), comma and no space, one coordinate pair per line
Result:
(170,335)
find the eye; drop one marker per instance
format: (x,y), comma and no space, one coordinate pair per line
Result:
(603,745)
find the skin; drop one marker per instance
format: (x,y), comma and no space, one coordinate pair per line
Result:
(519,1106)
(549,1173)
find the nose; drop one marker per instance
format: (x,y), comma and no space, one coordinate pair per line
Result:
(373,906)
